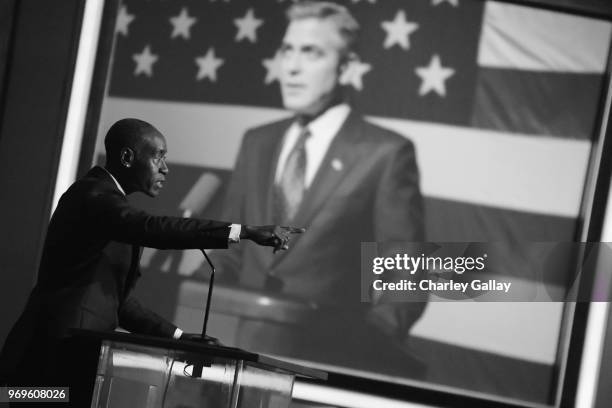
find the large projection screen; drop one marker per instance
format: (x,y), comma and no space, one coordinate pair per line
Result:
(502,105)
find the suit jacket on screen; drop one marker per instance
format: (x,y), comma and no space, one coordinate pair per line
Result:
(366,189)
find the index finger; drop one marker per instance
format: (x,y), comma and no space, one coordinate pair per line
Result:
(294,230)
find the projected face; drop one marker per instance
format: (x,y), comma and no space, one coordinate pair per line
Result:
(310,65)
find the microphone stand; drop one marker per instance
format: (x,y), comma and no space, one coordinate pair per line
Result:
(199,367)
(210,289)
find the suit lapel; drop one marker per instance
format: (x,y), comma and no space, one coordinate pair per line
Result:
(339,159)
(133,273)
(273,145)
(103,176)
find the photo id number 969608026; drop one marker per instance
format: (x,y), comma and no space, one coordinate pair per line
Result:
(34,394)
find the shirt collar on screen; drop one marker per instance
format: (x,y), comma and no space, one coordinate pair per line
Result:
(323,129)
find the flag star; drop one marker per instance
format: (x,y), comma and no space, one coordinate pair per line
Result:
(123,21)
(145,61)
(247,26)
(454,3)
(272,66)
(353,74)
(208,65)
(181,24)
(433,77)
(398,31)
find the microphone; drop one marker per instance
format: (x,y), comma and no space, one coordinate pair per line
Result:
(200,194)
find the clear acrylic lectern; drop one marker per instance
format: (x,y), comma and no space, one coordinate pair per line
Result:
(139,371)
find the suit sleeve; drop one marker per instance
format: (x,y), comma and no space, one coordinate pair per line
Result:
(111,214)
(399,213)
(137,319)
(398,216)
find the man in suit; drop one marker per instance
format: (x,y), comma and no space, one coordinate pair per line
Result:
(90,258)
(346,180)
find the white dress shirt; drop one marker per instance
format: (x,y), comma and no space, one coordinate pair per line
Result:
(322,131)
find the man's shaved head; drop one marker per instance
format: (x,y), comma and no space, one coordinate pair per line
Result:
(126,133)
(136,155)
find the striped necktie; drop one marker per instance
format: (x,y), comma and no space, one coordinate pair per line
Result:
(290,188)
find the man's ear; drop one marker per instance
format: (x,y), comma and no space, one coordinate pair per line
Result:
(127,157)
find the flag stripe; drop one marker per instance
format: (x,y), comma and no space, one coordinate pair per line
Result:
(517,172)
(198,133)
(525,38)
(510,171)
(531,333)
(552,104)
(449,220)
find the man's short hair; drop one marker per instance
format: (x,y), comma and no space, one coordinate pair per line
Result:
(325,10)
(127,132)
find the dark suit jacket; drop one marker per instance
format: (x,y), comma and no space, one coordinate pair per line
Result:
(89,266)
(366,189)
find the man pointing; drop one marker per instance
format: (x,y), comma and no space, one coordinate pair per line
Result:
(91,253)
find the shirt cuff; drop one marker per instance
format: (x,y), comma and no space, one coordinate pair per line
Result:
(234,235)
(177,334)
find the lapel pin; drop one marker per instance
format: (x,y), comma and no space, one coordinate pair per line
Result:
(337,164)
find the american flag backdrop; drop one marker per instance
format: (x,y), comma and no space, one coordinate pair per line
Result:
(500,100)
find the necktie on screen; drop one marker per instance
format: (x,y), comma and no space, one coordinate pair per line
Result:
(291,187)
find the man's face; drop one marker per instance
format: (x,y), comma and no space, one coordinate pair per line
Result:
(149,168)
(310,65)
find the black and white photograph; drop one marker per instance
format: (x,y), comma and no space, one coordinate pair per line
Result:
(305,204)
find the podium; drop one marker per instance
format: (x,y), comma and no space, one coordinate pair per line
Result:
(136,371)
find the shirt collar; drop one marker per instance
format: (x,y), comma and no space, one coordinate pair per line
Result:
(330,121)
(115,180)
